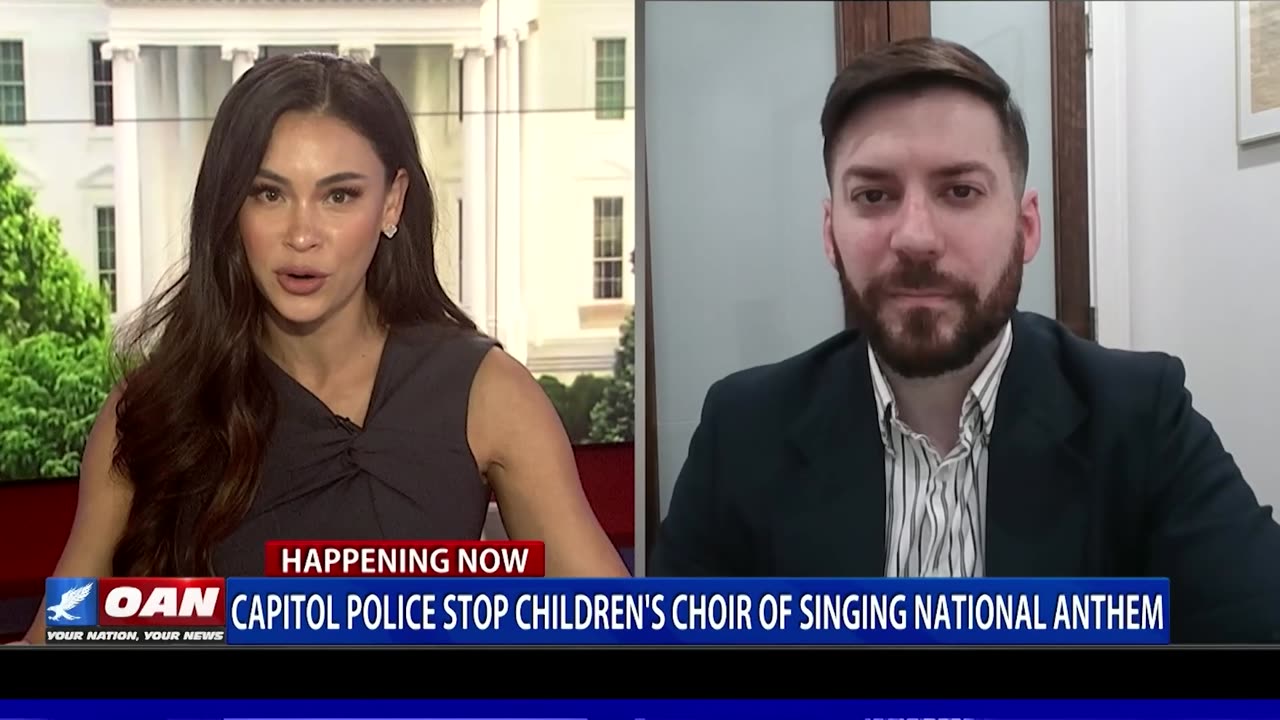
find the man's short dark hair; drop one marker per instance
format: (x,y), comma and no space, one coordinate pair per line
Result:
(913,65)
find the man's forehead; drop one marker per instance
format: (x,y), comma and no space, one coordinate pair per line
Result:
(945,126)
(888,156)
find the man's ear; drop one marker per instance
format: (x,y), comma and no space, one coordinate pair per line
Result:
(828,234)
(1029,224)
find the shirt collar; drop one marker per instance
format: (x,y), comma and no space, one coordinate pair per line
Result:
(982,393)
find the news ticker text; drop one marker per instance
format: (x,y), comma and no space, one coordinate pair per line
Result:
(539,611)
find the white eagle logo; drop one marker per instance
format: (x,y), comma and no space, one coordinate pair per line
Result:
(70,599)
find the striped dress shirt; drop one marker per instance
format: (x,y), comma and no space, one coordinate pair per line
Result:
(935,522)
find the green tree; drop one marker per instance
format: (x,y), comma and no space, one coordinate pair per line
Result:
(575,402)
(613,419)
(54,348)
(51,388)
(42,288)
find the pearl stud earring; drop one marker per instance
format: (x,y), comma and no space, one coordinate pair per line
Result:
(390,231)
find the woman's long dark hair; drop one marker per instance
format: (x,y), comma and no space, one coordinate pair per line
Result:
(196,408)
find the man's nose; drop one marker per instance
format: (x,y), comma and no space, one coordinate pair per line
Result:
(917,234)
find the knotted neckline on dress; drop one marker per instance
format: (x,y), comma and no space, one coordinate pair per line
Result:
(324,450)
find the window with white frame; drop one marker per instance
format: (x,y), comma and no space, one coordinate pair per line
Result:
(607,250)
(13,86)
(103,111)
(611,78)
(106,222)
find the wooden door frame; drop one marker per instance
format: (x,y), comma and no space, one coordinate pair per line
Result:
(862,26)
(652,494)
(648,434)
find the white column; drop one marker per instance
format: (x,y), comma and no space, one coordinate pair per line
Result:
(475,265)
(531,67)
(533,194)
(127,191)
(153,185)
(168,97)
(190,140)
(241,57)
(492,104)
(190,103)
(164,187)
(511,310)
(360,52)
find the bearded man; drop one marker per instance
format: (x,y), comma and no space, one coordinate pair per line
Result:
(946,433)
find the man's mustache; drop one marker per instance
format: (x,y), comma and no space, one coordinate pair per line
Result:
(921,277)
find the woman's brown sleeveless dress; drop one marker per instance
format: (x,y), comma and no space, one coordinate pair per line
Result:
(407,474)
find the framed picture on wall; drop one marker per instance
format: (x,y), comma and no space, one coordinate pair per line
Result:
(1257,70)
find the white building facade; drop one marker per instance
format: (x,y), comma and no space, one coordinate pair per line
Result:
(524,112)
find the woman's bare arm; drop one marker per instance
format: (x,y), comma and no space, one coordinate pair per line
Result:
(520,444)
(102,509)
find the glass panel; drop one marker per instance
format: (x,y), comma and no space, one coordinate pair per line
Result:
(106,238)
(13,107)
(101,68)
(13,110)
(10,61)
(108,279)
(610,78)
(608,250)
(733,91)
(103,108)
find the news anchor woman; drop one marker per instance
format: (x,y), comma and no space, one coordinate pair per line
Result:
(307,377)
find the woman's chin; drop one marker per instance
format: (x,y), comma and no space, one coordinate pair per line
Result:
(301,312)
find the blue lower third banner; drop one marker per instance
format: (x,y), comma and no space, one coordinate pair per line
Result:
(696,611)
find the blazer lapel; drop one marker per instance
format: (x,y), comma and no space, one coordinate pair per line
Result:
(835,515)
(1037,479)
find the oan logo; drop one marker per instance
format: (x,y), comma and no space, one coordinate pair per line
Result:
(178,602)
(71,602)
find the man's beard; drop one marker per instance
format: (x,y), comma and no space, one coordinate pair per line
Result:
(919,349)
